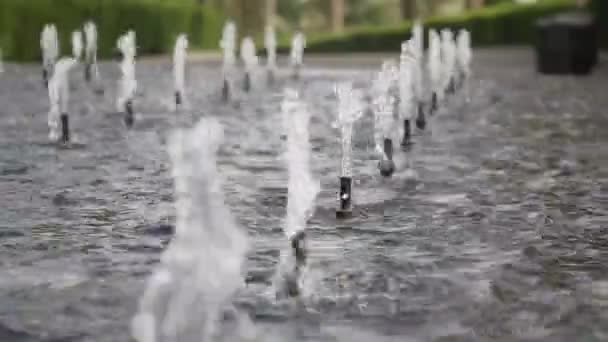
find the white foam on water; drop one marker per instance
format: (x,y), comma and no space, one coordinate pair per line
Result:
(128,84)
(179,65)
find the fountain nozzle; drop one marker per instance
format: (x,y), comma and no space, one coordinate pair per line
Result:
(387,166)
(298,246)
(178,98)
(420,119)
(226,91)
(247,82)
(407,134)
(65,128)
(45,77)
(129,113)
(345,198)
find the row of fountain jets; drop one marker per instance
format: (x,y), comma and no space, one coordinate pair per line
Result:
(400,90)
(55,72)
(201,269)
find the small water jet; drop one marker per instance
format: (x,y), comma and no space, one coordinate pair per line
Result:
(464,56)
(202,267)
(350,108)
(384,119)
(301,193)
(91,71)
(448,54)
(270,43)
(50,51)
(228,46)
(179,69)
(250,60)
(417,48)
(407,71)
(127,84)
(59,92)
(434,69)
(77,45)
(298,43)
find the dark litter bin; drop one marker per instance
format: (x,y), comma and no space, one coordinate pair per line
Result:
(566,44)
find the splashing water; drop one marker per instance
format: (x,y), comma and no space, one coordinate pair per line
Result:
(77,45)
(350,109)
(228,46)
(448,54)
(464,54)
(201,269)
(383,105)
(408,68)
(302,187)
(418,54)
(270,43)
(434,64)
(90,33)
(248,54)
(128,84)
(59,92)
(298,43)
(179,64)
(50,47)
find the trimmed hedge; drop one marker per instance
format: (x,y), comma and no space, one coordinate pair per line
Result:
(600,10)
(502,24)
(156,24)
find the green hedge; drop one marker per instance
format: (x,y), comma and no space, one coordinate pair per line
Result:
(156,23)
(600,10)
(502,24)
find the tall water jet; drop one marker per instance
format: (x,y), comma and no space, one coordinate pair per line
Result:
(270,43)
(50,51)
(302,189)
(201,268)
(228,46)
(128,84)
(298,43)
(59,92)
(407,88)
(179,69)
(77,45)
(434,69)
(384,119)
(417,47)
(350,108)
(464,56)
(91,70)
(250,60)
(448,54)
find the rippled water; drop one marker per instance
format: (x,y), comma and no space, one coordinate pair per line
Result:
(503,236)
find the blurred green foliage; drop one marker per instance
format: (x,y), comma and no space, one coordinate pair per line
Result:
(600,10)
(156,23)
(504,23)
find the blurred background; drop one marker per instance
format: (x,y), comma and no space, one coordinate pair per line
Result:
(331,25)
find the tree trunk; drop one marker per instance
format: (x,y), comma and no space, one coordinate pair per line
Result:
(337,15)
(408,9)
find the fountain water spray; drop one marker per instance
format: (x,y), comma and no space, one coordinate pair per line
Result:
(298,43)
(448,54)
(302,191)
(77,45)
(408,66)
(90,71)
(59,92)
(201,269)
(228,46)
(1,63)
(464,56)
(417,67)
(128,84)
(249,59)
(270,42)
(179,69)
(50,51)
(350,108)
(434,68)
(384,119)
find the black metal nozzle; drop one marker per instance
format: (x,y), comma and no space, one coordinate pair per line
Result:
(178,98)
(65,128)
(129,115)
(247,82)
(226,91)
(387,166)
(345,198)
(298,247)
(420,119)
(45,77)
(87,72)
(407,134)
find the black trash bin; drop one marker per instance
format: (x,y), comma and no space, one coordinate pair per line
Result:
(566,44)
